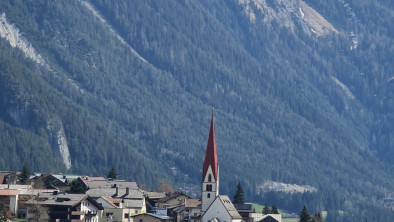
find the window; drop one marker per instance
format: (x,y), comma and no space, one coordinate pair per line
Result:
(141,220)
(209,178)
(109,215)
(126,215)
(136,211)
(209,187)
(209,195)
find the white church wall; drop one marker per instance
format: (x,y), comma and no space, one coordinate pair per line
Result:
(217,210)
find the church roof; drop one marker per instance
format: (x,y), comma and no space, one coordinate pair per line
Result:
(229,206)
(211,158)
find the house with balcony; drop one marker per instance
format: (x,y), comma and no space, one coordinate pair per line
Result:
(119,203)
(63,207)
(189,212)
(171,200)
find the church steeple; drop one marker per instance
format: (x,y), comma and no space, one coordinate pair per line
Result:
(211,158)
(210,172)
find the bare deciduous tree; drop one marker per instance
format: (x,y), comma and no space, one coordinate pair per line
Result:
(165,186)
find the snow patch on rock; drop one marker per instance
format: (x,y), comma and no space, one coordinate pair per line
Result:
(10,32)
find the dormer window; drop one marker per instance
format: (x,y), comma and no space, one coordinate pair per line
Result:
(209,178)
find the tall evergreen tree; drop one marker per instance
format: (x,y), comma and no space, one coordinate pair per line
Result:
(25,174)
(112,173)
(317,218)
(274,210)
(266,209)
(239,195)
(76,187)
(304,215)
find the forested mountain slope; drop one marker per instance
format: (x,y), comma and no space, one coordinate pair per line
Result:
(290,105)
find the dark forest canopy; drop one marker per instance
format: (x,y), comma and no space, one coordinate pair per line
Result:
(289,107)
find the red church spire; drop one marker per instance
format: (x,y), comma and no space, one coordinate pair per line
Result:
(211,158)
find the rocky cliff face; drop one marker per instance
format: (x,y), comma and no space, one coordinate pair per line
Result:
(20,114)
(19,111)
(286,12)
(10,32)
(57,140)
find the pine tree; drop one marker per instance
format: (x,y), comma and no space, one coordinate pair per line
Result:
(25,174)
(76,187)
(112,173)
(239,195)
(304,215)
(266,209)
(317,218)
(274,210)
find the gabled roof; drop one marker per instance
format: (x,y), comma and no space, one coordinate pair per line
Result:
(109,184)
(133,203)
(229,206)
(162,217)
(154,195)
(111,192)
(211,158)
(192,203)
(9,192)
(45,177)
(87,179)
(172,196)
(271,217)
(110,201)
(72,200)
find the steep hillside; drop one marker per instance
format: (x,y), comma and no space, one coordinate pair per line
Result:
(300,97)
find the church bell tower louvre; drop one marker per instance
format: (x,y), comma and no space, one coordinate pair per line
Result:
(210,172)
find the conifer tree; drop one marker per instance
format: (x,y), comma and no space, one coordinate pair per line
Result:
(25,174)
(239,195)
(304,215)
(112,173)
(76,187)
(274,210)
(317,218)
(266,209)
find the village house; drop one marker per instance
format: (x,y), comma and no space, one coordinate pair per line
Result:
(189,212)
(86,180)
(49,181)
(151,198)
(171,200)
(119,203)
(63,207)
(148,217)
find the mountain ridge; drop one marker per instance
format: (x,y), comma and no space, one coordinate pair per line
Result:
(282,111)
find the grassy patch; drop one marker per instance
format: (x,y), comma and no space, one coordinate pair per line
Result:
(17,219)
(290,220)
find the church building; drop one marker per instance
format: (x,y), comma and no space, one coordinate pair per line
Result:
(214,207)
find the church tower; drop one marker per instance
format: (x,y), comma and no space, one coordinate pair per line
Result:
(210,172)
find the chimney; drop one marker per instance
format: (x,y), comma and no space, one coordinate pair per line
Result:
(117,191)
(127,191)
(87,178)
